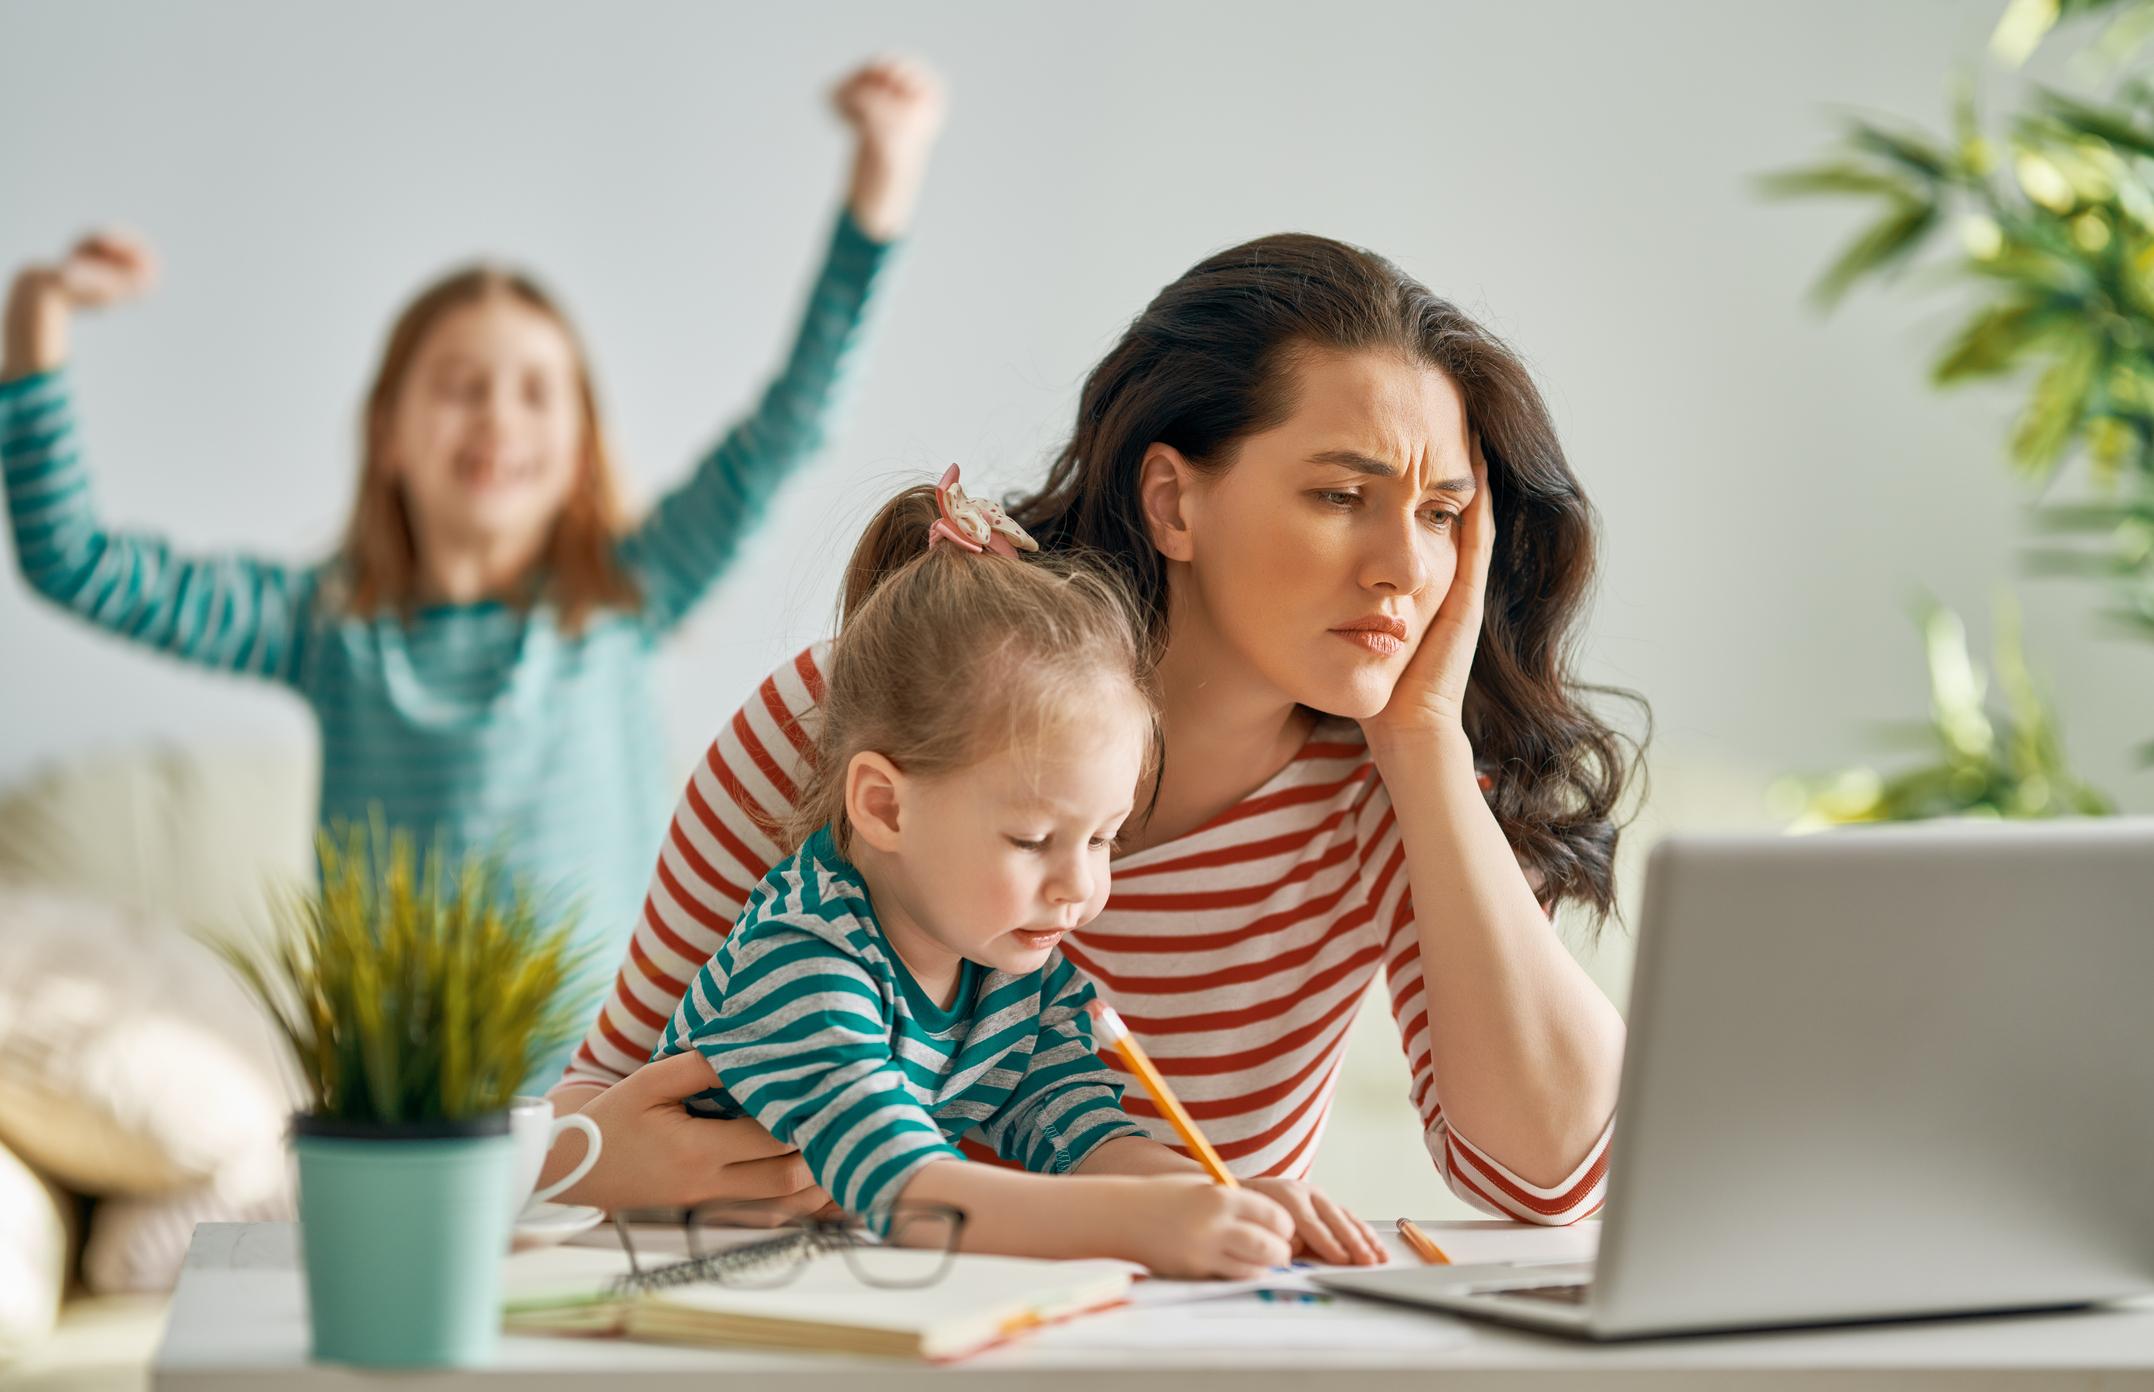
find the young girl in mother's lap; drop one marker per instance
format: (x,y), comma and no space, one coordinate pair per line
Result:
(894,984)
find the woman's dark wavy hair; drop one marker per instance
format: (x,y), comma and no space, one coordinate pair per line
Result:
(1211,361)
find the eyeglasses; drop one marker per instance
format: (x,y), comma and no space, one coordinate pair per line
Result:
(757,1247)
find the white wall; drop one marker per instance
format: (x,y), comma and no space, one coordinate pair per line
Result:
(1775,485)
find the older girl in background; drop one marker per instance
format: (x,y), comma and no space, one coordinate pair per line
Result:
(478,651)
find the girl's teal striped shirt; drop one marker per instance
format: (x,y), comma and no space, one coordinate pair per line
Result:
(817,1030)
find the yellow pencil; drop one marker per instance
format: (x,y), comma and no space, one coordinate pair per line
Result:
(1428,1251)
(1109,1030)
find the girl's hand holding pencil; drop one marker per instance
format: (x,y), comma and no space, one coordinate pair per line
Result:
(1320,1227)
(1185,1226)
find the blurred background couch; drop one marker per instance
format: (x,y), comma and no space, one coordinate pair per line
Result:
(140,1090)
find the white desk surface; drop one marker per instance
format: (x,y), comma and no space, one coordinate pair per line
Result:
(238,1320)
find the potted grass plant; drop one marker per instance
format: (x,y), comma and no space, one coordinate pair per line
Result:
(415,995)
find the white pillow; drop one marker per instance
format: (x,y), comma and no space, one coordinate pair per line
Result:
(189,832)
(138,1244)
(36,1239)
(131,1061)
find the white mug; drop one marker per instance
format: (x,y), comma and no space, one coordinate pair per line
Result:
(535,1128)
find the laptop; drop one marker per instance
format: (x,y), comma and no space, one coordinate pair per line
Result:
(1872,1074)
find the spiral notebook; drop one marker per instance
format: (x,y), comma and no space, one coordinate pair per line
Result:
(979,1301)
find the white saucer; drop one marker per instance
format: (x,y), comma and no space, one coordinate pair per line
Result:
(544,1224)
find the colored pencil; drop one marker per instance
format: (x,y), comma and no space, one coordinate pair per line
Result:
(1109,1030)
(1428,1251)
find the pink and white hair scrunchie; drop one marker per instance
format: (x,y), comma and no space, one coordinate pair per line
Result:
(976,524)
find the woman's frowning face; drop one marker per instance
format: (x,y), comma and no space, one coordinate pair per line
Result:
(1321,551)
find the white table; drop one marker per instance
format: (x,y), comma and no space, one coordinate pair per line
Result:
(238,1320)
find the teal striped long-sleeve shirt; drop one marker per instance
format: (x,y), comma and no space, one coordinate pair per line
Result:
(481,726)
(817,1030)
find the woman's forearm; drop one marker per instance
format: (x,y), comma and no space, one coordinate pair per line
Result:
(1525,1049)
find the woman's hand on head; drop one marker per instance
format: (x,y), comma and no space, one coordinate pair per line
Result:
(104,268)
(654,1154)
(1430,697)
(895,107)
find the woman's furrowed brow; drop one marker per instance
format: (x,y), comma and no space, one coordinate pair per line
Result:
(1366,464)
(1353,459)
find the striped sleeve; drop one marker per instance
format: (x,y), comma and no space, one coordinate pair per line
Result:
(694,532)
(795,1027)
(719,845)
(1472,1173)
(228,612)
(1067,1104)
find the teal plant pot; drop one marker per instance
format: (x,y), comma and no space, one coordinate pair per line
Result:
(403,1229)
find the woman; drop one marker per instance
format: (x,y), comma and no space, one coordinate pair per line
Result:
(1363,554)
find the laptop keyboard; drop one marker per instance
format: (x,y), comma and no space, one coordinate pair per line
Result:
(1577,1294)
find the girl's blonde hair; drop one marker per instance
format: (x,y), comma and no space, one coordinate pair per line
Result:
(380,548)
(945,657)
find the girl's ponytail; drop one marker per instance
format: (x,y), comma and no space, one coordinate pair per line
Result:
(894,539)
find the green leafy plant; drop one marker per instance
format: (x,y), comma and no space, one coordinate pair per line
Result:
(1988,762)
(409,989)
(2055,217)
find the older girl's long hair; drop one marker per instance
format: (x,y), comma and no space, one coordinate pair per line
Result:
(380,555)
(1210,362)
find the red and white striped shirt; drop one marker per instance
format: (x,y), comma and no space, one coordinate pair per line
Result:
(1237,953)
